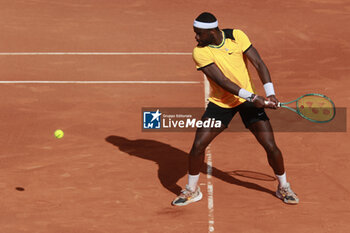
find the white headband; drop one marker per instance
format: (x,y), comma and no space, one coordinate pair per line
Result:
(203,25)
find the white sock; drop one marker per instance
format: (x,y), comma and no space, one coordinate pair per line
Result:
(282,179)
(192,181)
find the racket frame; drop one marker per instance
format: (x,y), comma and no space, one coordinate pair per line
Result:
(283,105)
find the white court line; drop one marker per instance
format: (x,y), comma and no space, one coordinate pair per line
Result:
(210,188)
(99,82)
(90,53)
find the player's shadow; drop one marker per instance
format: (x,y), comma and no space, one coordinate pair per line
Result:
(173,163)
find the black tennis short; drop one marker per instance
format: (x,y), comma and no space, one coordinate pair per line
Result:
(249,113)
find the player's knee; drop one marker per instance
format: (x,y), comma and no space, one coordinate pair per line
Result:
(198,148)
(271,148)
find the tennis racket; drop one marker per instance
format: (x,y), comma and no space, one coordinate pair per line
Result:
(313,107)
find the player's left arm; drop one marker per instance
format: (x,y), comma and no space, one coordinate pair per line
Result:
(264,74)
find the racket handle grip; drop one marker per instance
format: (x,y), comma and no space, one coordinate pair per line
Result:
(269,102)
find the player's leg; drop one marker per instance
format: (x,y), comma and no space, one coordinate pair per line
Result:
(202,139)
(262,131)
(258,123)
(196,158)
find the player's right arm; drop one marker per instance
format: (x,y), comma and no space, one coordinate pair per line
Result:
(213,72)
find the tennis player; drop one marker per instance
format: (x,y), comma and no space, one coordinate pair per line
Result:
(221,56)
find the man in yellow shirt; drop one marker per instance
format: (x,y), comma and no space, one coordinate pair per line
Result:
(222,55)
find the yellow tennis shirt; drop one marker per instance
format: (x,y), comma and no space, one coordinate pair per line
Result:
(228,56)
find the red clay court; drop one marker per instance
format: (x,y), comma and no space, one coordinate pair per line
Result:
(88,68)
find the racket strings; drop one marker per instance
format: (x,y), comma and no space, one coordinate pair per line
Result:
(316,108)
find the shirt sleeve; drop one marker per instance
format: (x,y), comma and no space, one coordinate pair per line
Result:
(202,57)
(242,39)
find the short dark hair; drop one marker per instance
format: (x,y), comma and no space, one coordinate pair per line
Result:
(206,17)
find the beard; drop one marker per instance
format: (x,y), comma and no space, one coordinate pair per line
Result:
(203,43)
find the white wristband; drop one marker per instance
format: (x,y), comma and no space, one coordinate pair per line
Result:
(269,89)
(243,93)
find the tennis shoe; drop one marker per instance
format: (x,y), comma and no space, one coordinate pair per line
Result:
(287,195)
(188,196)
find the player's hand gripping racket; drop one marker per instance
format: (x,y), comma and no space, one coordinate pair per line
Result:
(313,107)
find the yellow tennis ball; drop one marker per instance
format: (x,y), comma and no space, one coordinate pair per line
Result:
(59,133)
